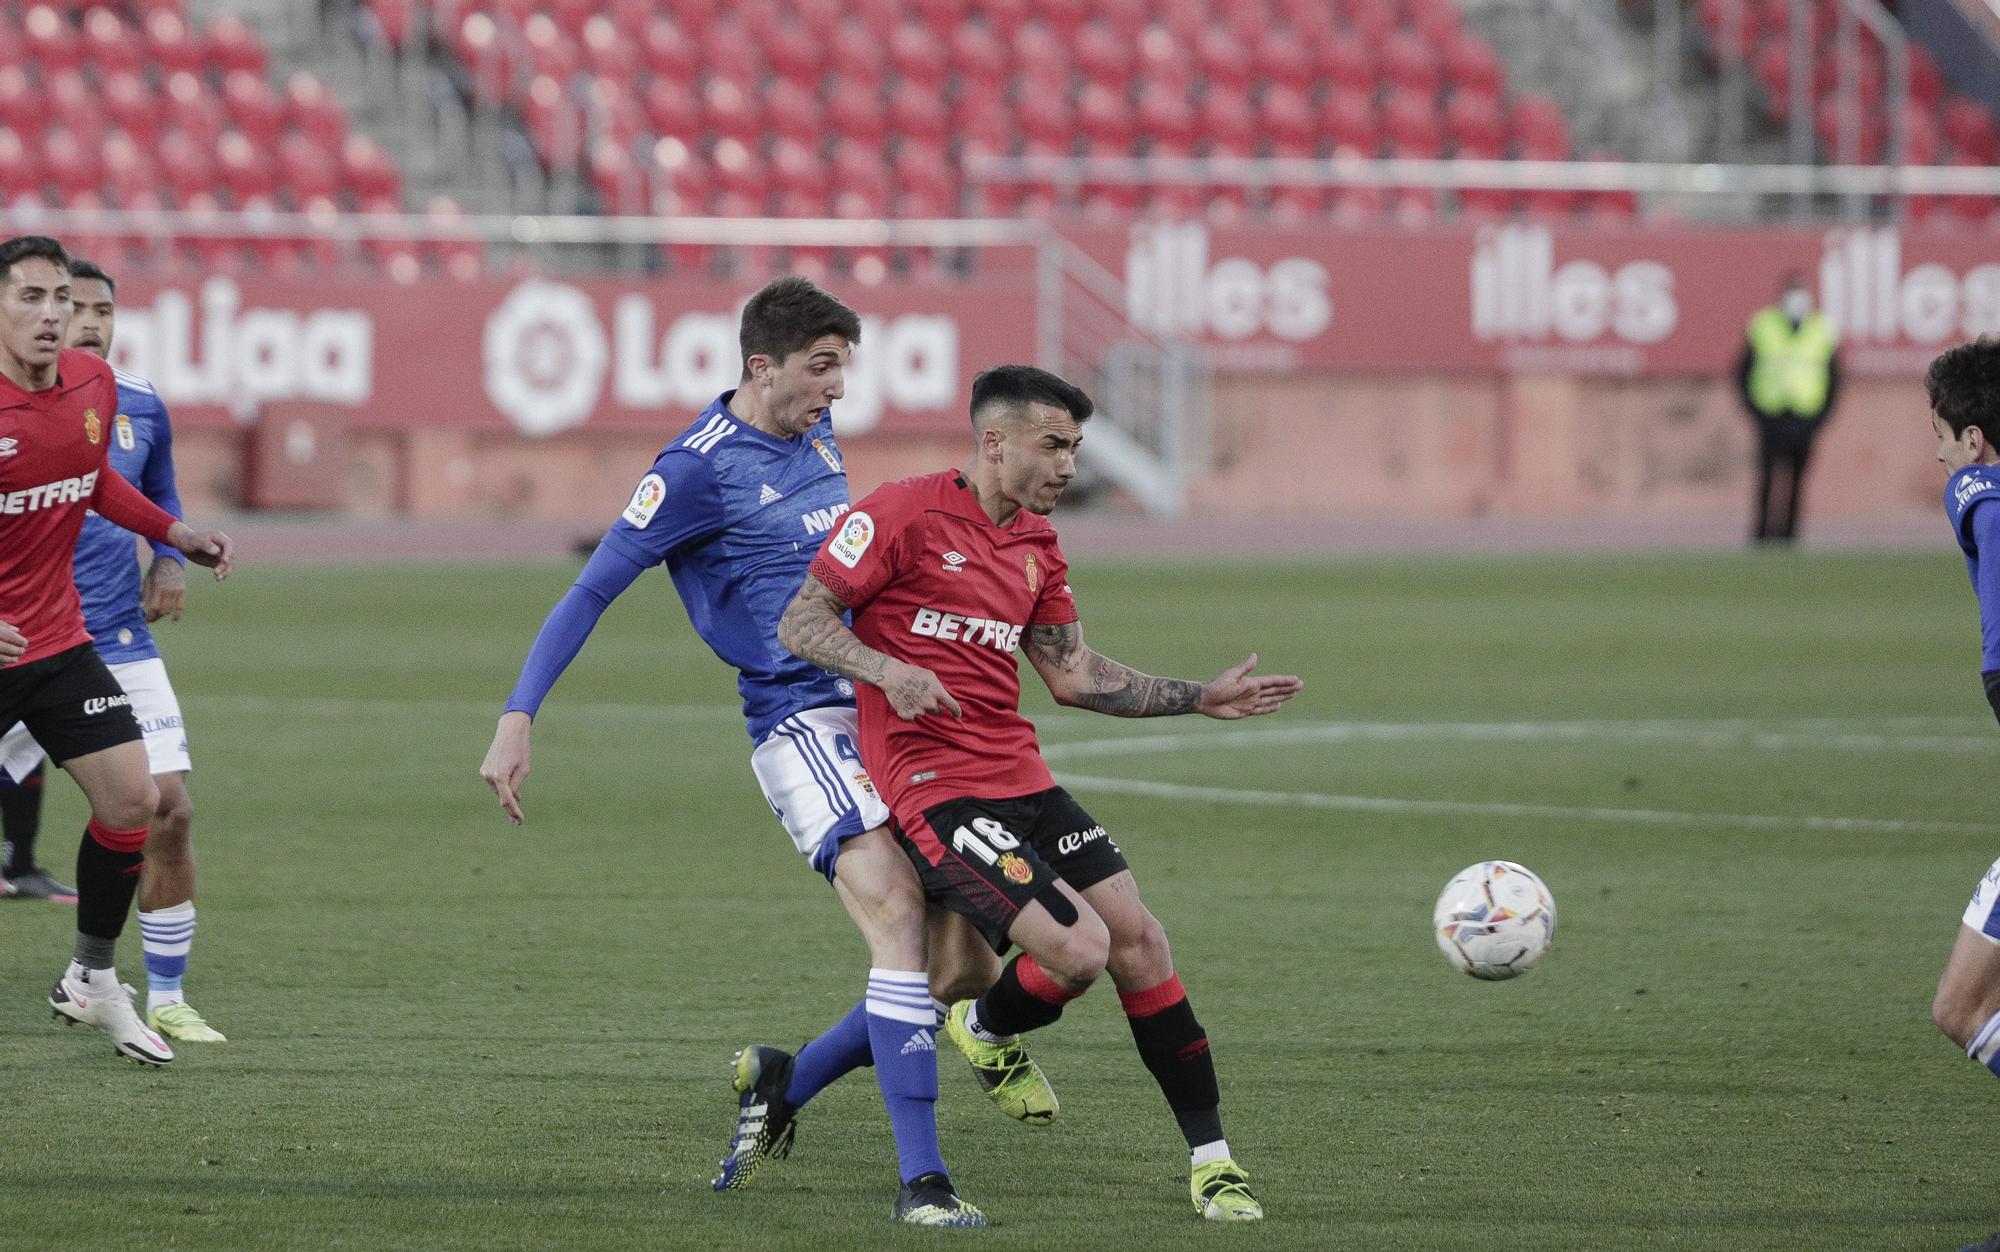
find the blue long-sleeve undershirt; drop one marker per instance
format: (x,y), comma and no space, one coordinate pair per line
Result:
(1985,527)
(608,573)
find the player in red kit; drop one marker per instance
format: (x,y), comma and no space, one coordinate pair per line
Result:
(56,411)
(946,576)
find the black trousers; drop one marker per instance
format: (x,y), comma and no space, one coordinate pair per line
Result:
(1784,444)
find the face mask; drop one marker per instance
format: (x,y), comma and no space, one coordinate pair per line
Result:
(1796,304)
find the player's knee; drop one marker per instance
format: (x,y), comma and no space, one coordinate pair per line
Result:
(963,975)
(1143,954)
(1951,1015)
(1077,958)
(129,806)
(173,816)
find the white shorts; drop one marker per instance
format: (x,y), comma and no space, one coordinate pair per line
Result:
(153,703)
(810,769)
(1983,914)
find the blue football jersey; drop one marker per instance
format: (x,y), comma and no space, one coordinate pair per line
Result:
(736,515)
(107,565)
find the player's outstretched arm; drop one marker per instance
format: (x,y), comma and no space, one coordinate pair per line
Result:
(209,548)
(1082,678)
(505,768)
(811,630)
(13,644)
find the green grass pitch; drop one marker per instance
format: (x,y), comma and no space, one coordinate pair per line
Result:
(1760,786)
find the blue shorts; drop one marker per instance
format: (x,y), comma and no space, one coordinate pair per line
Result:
(810,769)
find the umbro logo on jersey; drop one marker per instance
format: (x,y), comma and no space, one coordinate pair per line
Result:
(922,1041)
(9,446)
(952,562)
(769,495)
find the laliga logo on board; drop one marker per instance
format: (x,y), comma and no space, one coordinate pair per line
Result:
(1171,287)
(548,357)
(246,354)
(1866,293)
(1519,292)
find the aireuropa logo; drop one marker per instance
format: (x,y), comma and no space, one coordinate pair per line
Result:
(1871,298)
(548,356)
(246,355)
(1519,293)
(1174,287)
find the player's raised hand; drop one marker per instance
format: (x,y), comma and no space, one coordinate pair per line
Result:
(1234,693)
(505,768)
(13,644)
(208,548)
(164,593)
(914,691)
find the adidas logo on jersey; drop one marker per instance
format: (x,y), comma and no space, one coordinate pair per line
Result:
(9,446)
(922,1041)
(769,495)
(1002,636)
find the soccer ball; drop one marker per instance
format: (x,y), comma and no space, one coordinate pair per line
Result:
(1495,920)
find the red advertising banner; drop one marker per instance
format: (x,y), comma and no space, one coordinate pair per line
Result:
(1531,298)
(544,355)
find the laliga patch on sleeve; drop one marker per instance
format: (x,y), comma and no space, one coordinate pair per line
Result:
(853,540)
(646,501)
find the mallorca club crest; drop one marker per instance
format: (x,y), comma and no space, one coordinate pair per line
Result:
(826,454)
(1034,576)
(93,429)
(1016,869)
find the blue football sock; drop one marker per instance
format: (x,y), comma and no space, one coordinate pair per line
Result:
(903,1028)
(1985,1047)
(166,936)
(842,1048)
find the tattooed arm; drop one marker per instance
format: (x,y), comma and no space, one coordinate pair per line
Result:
(811,630)
(1082,678)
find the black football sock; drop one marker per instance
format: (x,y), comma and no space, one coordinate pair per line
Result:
(1175,1049)
(107,877)
(1024,998)
(21,821)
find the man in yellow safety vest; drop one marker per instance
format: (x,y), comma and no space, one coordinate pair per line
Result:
(1788,376)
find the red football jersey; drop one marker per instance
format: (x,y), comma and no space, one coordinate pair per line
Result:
(933,582)
(54,446)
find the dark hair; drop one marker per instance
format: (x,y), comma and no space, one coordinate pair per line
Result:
(788,314)
(1963,384)
(1017,386)
(27,248)
(80,268)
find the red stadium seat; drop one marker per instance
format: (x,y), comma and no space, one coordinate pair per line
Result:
(1283,58)
(1285,115)
(615,177)
(1105,56)
(672,108)
(857,51)
(1473,122)
(612,109)
(1040,55)
(73,165)
(1409,64)
(861,179)
(49,41)
(1373,20)
(1221,58)
(23,107)
(1247,20)
(1045,117)
(1165,114)
(983,124)
(21,171)
(1345,60)
(186,166)
(978,56)
(1103,117)
(368,171)
(192,110)
(729,111)
(1871,134)
(738,168)
(731,52)
(795,112)
(1436,22)
(242,167)
(927,169)
(1923,139)
(918,56)
(169,46)
(1772,66)
(1006,17)
(878,17)
(1538,127)
(130,173)
(232,45)
(695,16)
(679,179)
(1927,85)
(1185,20)
(1471,65)
(1347,121)
(306,170)
(110,45)
(552,52)
(1162,60)
(315,111)
(669,52)
(608,54)
(1967,124)
(1410,126)
(1126,17)
(1295,205)
(75,105)
(854,109)
(253,106)
(919,115)
(1065,17)
(795,52)
(797,169)
(1227,122)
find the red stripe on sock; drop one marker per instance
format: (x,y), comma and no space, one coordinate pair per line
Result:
(114,839)
(1153,999)
(1038,984)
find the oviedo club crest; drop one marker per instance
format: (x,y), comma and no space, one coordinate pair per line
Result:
(93,429)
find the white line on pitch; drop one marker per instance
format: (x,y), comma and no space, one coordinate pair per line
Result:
(1465,808)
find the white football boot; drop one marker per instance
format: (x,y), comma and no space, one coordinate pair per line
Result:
(98,999)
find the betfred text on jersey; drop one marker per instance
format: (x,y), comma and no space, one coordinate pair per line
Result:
(63,491)
(1001,636)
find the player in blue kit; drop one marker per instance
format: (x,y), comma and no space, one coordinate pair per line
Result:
(1964,389)
(117,606)
(735,507)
